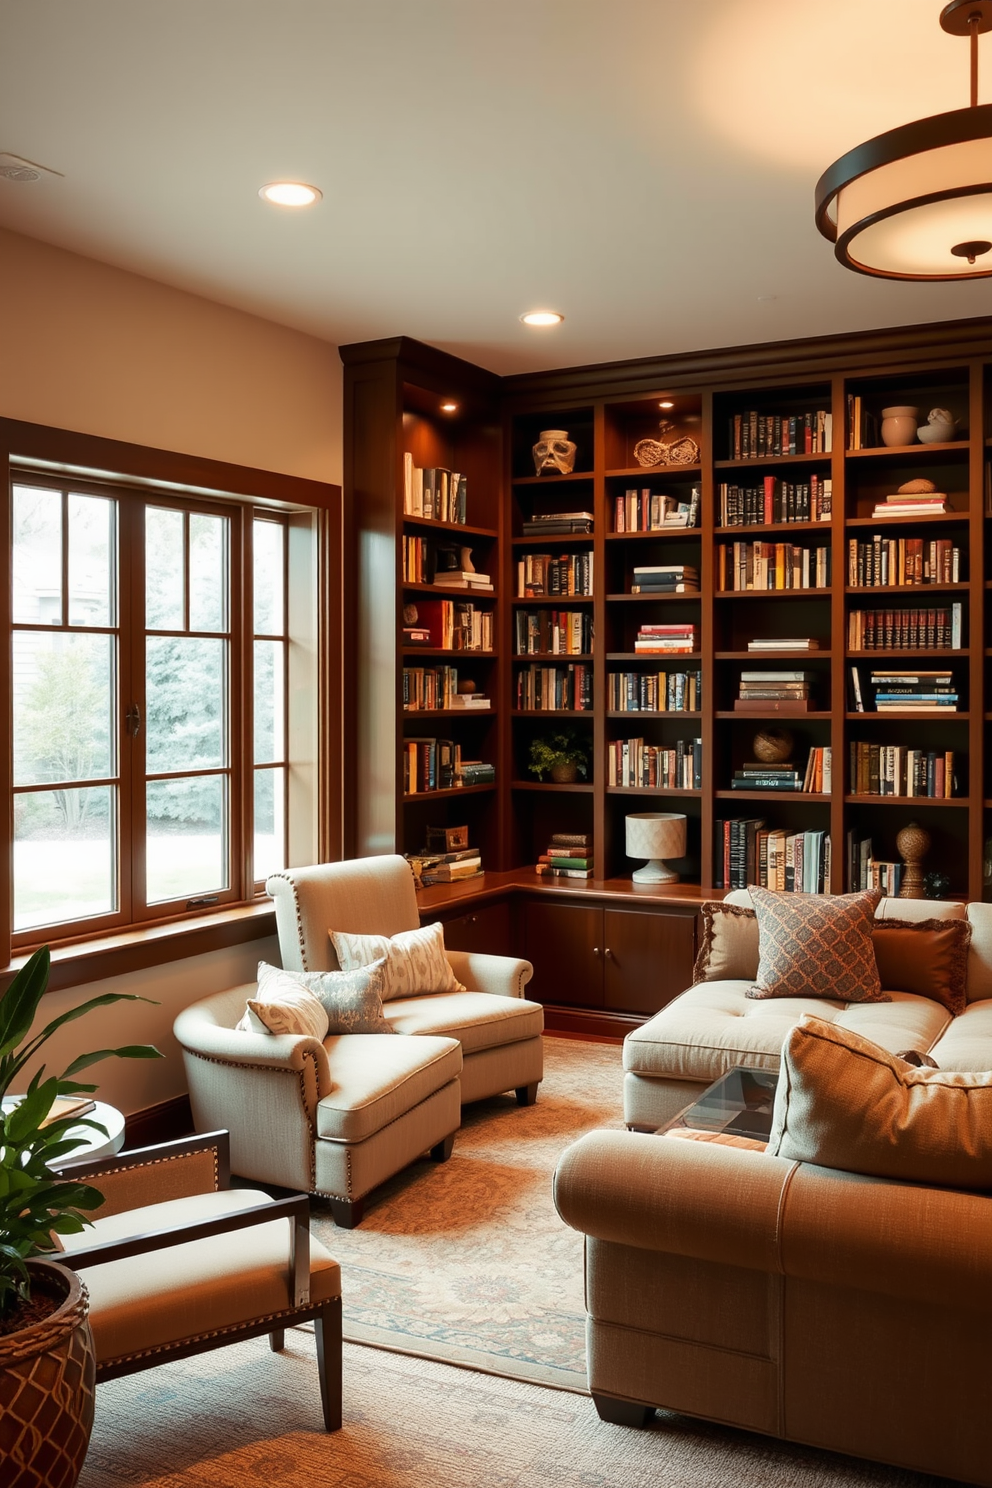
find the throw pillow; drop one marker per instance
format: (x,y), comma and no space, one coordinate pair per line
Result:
(352,999)
(728,948)
(842,1102)
(926,957)
(415,960)
(816,945)
(285,1005)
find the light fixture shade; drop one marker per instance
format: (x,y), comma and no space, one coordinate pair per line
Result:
(916,202)
(656,835)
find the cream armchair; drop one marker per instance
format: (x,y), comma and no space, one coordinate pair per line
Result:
(498,1030)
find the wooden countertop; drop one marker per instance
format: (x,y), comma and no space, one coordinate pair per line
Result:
(476,891)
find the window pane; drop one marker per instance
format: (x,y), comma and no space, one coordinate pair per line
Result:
(187,837)
(185,686)
(37,556)
(164,565)
(63,856)
(270,822)
(91,546)
(267,541)
(63,702)
(269,743)
(207,572)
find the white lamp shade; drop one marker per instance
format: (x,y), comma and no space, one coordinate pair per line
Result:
(656,835)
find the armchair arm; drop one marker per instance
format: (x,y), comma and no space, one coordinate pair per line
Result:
(506,976)
(278,1051)
(152,1175)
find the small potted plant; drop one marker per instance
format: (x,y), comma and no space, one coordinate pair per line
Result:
(46,1349)
(564,755)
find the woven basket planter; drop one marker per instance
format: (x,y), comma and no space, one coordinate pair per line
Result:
(46,1387)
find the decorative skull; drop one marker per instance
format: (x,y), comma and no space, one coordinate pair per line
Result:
(554,453)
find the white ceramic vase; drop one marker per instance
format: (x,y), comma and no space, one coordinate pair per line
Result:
(899,425)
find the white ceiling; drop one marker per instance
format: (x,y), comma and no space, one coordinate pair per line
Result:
(645,166)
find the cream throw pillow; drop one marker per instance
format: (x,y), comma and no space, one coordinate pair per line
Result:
(842,1102)
(415,960)
(283,1005)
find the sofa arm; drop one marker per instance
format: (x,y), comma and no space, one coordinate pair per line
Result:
(506,976)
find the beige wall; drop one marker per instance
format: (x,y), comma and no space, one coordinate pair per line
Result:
(87,347)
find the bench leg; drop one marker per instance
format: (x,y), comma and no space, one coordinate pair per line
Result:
(526,1094)
(346,1213)
(622,1412)
(327,1331)
(442,1150)
(277,1340)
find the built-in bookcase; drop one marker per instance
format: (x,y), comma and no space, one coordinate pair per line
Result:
(788,460)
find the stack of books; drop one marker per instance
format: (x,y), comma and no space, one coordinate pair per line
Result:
(460,578)
(569,855)
(774,692)
(567,522)
(665,640)
(896,770)
(756,776)
(450,867)
(906,504)
(915,692)
(791,643)
(436,493)
(416,635)
(474,772)
(468,700)
(665,578)
(651,511)
(631,762)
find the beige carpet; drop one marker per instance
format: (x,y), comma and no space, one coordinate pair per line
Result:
(243,1415)
(468,1261)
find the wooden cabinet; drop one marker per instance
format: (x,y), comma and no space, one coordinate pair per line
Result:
(486,929)
(599,956)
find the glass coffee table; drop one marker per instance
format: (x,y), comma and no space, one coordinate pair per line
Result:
(739,1104)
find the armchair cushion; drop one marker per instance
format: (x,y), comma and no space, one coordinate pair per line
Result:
(378,1080)
(479,1020)
(843,1102)
(414,960)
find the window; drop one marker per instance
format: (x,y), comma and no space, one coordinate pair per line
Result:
(156,764)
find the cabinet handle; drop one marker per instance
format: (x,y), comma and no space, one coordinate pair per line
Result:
(608,953)
(595,950)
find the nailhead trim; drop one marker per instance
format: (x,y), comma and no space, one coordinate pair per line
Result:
(269,1069)
(287,878)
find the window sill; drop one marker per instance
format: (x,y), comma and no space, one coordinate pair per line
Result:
(82,961)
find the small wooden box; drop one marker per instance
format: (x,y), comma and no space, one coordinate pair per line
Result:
(446,839)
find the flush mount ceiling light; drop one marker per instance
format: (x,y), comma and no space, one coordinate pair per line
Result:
(289,194)
(449,407)
(667,403)
(916,202)
(546,317)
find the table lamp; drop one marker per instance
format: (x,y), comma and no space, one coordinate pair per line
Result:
(656,835)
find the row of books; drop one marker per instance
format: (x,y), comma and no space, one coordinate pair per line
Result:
(904,691)
(896,770)
(816,778)
(653,511)
(864,428)
(561,523)
(546,573)
(865,871)
(421,566)
(451,625)
(429,687)
(774,692)
(547,689)
(914,629)
(665,578)
(655,692)
(436,764)
(448,867)
(568,855)
(746,852)
(776,501)
(755,435)
(913,504)
(767,566)
(665,640)
(553,632)
(885,561)
(632,762)
(434,492)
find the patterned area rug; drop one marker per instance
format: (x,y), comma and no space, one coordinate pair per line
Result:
(241,1416)
(468,1261)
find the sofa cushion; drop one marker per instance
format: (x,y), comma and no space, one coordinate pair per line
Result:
(478,1020)
(728,944)
(377,1080)
(966,1044)
(843,1102)
(928,957)
(283,1004)
(415,962)
(715,1025)
(816,945)
(980,954)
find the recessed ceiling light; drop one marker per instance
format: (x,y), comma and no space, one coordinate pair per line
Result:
(289,194)
(449,407)
(667,403)
(542,318)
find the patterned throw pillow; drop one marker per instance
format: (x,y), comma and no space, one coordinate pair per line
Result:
(351,1000)
(415,960)
(284,1005)
(816,945)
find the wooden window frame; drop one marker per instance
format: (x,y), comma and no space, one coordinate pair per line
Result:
(312,512)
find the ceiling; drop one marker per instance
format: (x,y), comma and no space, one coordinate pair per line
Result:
(645,166)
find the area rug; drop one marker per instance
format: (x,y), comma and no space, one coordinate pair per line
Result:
(467,1261)
(242,1415)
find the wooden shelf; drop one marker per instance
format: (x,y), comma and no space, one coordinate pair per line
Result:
(772,593)
(554,713)
(907,518)
(455,790)
(650,790)
(771,795)
(777,655)
(559,601)
(904,715)
(550,481)
(408,651)
(550,539)
(913,451)
(783,717)
(961,652)
(771,527)
(655,533)
(550,785)
(648,713)
(754,461)
(652,598)
(652,656)
(452,527)
(449,712)
(914,589)
(870,800)
(447,591)
(649,472)
(553,655)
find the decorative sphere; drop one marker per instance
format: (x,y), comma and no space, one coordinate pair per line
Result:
(773,746)
(465,684)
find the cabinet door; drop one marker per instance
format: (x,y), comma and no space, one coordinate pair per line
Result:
(647,958)
(485,929)
(565,943)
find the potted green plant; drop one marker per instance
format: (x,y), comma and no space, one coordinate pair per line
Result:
(563,754)
(46,1350)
